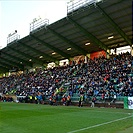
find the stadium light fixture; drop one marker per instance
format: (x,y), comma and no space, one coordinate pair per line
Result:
(41,57)
(69,49)
(87,43)
(110,37)
(98,0)
(53,53)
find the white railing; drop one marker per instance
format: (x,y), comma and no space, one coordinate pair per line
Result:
(74,5)
(12,38)
(38,24)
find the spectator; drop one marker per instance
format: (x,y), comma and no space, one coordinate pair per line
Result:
(81,101)
(93,102)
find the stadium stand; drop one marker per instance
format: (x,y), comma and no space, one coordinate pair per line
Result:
(109,80)
(99,26)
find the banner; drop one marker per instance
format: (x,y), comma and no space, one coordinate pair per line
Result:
(79,59)
(128,102)
(97,54)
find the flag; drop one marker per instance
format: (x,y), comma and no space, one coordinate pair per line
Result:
(128,102)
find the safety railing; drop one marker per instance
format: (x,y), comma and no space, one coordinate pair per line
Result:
(38,24)
(74,5)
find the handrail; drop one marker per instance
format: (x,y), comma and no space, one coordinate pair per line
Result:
(74,5)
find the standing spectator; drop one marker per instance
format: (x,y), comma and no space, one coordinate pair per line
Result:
(93,102)
(68,100)
(81,101)
(63,100)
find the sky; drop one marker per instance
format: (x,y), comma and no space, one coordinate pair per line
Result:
(18,14)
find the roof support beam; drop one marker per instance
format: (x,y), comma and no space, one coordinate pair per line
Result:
(3,69)
(27,56)
(13,63)
(89,35)
(63,54)
(38,52)
(72,44)
(6,65)
(18,59)
(117,28)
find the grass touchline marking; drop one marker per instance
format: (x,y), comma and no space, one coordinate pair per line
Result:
(98,125)
(111,112)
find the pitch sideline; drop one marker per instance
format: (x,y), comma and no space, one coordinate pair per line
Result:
(99,125)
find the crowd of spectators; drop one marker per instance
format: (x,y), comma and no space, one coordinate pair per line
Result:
(6,99)
(100,77)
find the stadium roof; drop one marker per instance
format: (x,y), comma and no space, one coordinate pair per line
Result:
(103,25)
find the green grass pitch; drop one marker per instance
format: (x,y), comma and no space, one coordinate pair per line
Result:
(35,118)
